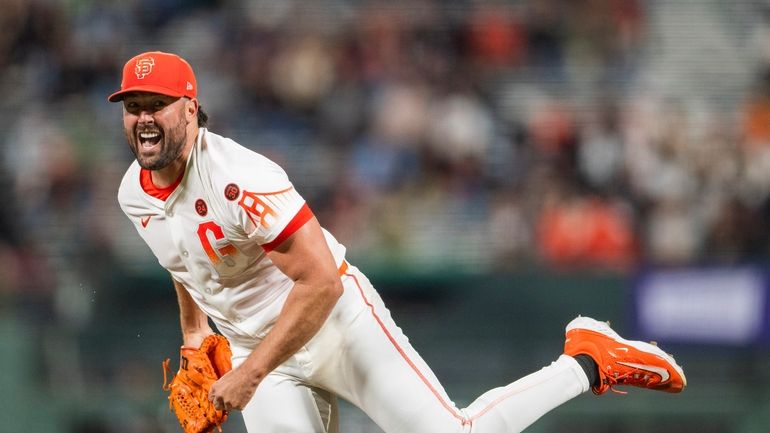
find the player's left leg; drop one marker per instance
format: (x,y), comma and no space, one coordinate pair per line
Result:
(367,360)
(371,363)
(516,406)
(616,362)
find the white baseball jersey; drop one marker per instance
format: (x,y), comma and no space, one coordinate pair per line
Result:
(211,230)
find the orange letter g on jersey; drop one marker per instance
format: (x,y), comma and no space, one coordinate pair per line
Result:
(221,253)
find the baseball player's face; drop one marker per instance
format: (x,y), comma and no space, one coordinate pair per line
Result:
(156,128)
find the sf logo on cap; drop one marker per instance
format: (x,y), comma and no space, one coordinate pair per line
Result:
(144,67)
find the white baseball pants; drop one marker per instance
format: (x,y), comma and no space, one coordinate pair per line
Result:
(362,356)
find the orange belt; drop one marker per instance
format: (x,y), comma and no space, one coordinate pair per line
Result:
(343,267)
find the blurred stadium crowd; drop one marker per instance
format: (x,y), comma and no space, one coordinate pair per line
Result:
(479,136)
(425,134)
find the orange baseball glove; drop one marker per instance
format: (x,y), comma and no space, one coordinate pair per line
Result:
(189,388)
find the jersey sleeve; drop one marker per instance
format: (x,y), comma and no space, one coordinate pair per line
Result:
(269,208)
(274,216)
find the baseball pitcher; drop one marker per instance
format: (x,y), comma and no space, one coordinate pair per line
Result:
(304,326)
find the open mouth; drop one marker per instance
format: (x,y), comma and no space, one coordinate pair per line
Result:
(148,139)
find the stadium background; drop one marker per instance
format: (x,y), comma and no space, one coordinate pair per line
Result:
(495,167)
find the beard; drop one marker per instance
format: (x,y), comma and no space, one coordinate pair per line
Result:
(169,147)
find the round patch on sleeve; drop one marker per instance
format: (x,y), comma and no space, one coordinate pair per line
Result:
(200,207)
(232,192)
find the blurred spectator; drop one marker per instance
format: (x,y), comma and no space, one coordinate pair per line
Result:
(673,233)
(600,154)
(737,234)
(510,235)
(756,116)
(576,231)
(496,37)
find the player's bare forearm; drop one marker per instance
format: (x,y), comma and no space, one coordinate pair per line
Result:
(303,314)
(305,258)
(193,321)
(305,311)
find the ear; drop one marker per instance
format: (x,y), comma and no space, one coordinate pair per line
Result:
(191,109)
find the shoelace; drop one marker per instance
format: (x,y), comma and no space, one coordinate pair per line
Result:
(633,378)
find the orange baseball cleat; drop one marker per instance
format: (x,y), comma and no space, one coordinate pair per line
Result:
(620,361)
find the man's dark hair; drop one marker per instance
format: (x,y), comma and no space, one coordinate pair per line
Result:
(203,118)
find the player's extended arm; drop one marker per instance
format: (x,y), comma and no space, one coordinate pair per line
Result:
(305,258)
(195,323)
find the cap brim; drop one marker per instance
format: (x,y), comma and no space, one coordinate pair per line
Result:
(118,96)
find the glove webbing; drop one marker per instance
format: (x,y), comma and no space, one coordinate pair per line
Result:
(185,403)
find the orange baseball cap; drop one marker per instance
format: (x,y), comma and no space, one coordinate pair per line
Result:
(157,72)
